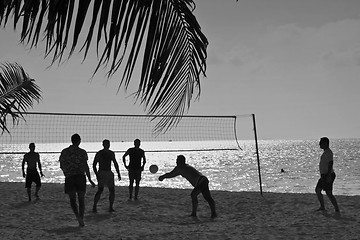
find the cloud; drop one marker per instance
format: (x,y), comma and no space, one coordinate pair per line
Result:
(291,53)
(335,42)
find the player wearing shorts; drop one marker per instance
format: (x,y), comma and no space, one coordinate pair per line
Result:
(73,163)
(135,167)
(327,175)
(105,176)
(198,180)
(32,159)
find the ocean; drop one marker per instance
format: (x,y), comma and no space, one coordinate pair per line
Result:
(228,170)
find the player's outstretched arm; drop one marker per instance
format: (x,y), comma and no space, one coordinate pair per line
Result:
(171,174)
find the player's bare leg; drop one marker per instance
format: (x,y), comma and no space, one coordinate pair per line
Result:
(28,190)
(81,197)
(333,200)
(111,198)
(73,204)
(97,198)
(195,202)
(37,192)
(131,187)
(137,188)
(320,198)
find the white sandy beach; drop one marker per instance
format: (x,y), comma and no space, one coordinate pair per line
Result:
(164,214)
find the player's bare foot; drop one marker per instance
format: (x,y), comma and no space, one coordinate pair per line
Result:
(94,209)
(81,222)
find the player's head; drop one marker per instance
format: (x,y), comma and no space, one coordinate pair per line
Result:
(137,142)
(180,160)
(106,143)
(324,142)
(32,146)
(75,139)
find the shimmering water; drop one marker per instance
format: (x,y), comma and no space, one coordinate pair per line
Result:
(227,170)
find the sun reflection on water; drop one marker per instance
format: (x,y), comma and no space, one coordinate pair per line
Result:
(230,170)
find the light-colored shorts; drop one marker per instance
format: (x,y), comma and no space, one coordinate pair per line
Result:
(106,178)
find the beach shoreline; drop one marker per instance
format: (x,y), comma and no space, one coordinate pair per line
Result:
(163,213)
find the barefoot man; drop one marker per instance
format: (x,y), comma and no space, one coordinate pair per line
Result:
(199,181)
(135,167)
(32,159)
(327,175)
(104,175)
(73,163)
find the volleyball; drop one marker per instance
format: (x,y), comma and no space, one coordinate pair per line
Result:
(153,168)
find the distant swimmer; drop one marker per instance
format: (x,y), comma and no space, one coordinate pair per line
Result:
(32,159)
(282,170)
(327,175)
(198,180)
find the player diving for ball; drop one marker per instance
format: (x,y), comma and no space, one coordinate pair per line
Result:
(198,180)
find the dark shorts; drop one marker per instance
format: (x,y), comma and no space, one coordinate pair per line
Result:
(105,178)
(202,186)
(135,174)
(76,183)
(326,184)
(32,176)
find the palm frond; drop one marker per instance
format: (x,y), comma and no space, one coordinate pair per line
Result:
(17,93)
(164,31)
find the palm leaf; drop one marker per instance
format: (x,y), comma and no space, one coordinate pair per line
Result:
(17,93)
(164,31)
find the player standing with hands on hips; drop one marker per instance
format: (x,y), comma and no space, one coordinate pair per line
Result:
(135,167)
(199,181)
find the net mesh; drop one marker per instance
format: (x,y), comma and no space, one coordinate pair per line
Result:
(51,128)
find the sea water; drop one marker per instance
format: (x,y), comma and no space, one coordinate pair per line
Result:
(229,170)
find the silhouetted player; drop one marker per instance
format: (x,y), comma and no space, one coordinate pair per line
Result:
(135,167)
(105,176)
(199,181)
(73,163)
(327,175)
(32,159)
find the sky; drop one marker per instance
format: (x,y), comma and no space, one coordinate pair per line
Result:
(294,64)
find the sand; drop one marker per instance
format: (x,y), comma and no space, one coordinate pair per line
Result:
(162,213)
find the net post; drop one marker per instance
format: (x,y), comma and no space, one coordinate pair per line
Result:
(257,152)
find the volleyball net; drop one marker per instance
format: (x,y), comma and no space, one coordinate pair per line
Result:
(52,131)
